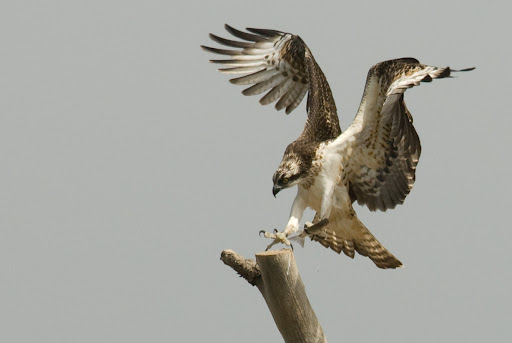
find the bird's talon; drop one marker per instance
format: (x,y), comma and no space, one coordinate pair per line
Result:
(277,237)
(261,232)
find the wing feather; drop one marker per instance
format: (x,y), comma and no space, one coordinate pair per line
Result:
(245,35)
(222,51)
(231,43)
(283,65)
(279,70)
(239,63)
(258,77)
(288,98)
(264,86)
(386,149)
(242,70)
(277,92)
(298,98)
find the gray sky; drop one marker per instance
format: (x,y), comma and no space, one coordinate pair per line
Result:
(129,164)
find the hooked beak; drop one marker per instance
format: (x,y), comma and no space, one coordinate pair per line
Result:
(276,189)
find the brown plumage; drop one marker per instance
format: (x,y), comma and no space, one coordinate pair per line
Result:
(373,161)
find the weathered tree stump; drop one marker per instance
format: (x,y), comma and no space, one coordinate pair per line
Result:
(276,275)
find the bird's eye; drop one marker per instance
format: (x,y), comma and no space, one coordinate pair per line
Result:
(285,180)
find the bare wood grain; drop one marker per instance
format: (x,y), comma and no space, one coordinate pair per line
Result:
(276,275)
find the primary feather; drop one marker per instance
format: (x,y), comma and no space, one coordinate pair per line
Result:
(373,162)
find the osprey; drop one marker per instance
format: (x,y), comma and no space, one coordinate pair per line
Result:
(373,161)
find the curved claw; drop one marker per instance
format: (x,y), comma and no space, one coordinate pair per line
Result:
(278,237)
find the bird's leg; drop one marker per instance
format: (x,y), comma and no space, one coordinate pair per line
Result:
(311,229)
(281,237)
(296,212)
(278,237)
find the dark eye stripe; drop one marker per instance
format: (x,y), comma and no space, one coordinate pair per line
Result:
(290,179)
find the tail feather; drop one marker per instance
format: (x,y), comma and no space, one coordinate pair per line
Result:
(371,247)
(350,236)
(329,240)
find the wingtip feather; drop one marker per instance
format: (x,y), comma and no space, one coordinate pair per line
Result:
(221,51)
(465,69)
(244,35)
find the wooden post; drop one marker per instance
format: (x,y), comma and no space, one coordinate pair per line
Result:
(276,275)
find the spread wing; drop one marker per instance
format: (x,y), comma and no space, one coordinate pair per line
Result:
(282,65)
(381,168)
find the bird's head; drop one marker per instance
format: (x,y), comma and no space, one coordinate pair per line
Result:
(289,173)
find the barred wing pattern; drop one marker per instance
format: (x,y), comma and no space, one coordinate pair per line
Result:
(274,61)
(381,170)
(379,152)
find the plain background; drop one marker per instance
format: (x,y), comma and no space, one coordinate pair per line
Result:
(128,164)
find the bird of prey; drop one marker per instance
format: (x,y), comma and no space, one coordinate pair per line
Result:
(373,162)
